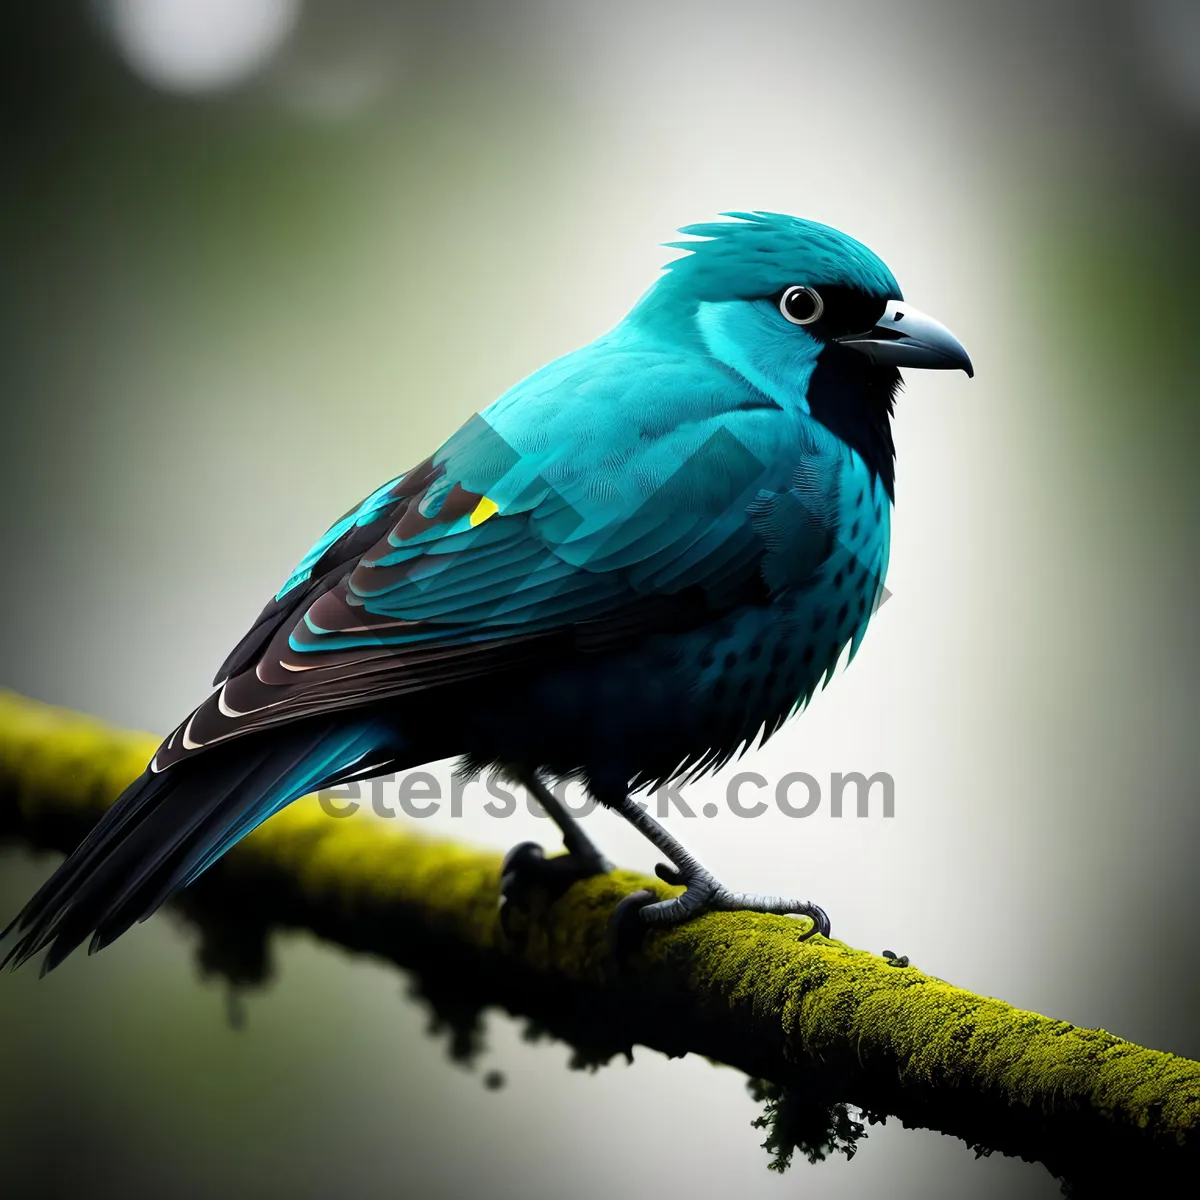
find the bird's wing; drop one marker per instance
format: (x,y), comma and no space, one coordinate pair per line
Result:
(598,502)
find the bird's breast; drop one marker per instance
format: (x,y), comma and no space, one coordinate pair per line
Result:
(762,662)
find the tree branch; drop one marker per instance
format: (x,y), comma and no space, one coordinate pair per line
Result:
(825,1021)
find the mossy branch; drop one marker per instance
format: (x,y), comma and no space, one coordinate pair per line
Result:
(820,1017)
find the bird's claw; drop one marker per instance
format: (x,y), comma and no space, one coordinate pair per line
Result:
(820,920)
(526,868)
(669,874)
(514,881)
(626,929)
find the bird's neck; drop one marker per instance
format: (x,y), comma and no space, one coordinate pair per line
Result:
(853,398)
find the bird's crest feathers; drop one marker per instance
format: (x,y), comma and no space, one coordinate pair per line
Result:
(756,254)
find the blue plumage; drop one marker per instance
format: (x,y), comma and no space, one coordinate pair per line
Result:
(635,562)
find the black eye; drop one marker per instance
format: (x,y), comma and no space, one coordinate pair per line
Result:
(801,305)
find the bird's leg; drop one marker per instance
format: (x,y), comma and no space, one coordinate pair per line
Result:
(526,864)
(575,840)
(703,892)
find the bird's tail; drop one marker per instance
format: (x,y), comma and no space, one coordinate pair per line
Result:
(166,829)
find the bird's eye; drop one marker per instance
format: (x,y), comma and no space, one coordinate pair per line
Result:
(801,305)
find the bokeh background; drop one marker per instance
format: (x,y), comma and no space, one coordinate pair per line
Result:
(257,256)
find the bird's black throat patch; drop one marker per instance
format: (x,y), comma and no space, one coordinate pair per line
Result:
(853,398)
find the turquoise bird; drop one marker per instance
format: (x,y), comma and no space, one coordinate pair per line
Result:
(632,565)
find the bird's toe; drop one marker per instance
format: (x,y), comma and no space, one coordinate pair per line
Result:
(523,859)
(669,874)
(626,929)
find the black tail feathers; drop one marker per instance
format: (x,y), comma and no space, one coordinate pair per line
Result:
(167,828)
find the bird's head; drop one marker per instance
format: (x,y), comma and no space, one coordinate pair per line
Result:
(807,315)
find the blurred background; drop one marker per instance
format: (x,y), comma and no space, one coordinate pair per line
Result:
(258,256)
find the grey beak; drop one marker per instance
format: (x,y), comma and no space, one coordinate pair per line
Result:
(905,337)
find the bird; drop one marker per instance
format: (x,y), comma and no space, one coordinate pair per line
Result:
(639,561)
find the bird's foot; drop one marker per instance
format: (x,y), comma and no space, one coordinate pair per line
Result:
(526,869)
(641,910)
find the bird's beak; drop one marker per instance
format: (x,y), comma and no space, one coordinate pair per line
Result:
(906,337)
